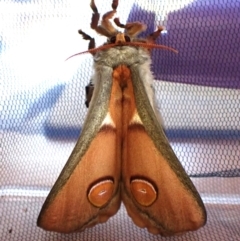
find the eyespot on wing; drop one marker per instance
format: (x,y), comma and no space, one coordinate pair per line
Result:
(100,193)
(143,192)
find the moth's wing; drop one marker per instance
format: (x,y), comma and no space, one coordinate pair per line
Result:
(87,190)
(157,192)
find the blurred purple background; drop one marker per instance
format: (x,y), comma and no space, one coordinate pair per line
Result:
(207,36)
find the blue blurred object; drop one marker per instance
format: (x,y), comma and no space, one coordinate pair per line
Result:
(28,116)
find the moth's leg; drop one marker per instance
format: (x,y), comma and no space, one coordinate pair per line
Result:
(153,36)
(95,15)
(85,36)
(105,28)
(132,29)
(114,4)
(106,24)
(89,92)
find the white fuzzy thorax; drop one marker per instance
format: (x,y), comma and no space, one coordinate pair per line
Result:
(126,55)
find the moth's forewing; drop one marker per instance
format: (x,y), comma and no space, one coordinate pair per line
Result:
(87,191)
(156,190)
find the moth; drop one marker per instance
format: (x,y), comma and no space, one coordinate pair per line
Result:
(122,153)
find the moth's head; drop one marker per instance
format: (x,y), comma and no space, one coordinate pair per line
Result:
(116,38)
(119,38)
(122,39)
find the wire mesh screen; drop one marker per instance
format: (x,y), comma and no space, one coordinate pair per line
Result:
(42,106)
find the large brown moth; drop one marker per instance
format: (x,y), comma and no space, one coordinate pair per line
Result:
(122,153)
